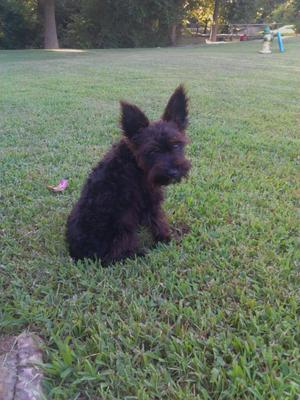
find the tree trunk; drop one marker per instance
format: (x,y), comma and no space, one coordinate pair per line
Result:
(205,26)
(50,34)
(173,35)
(214,27)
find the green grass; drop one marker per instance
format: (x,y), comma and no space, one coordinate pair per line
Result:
(214,316)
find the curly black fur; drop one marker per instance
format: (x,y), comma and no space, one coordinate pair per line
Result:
(125,189)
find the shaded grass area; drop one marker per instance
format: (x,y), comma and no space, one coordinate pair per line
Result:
(214,315)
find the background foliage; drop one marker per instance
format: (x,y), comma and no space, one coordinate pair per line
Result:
(20,25)
(128,23)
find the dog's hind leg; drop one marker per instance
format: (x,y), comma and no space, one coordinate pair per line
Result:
(124,245)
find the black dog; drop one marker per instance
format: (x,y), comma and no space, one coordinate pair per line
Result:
(125,189)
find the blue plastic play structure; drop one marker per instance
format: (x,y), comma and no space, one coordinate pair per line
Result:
(280,42)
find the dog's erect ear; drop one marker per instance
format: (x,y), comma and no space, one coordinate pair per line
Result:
(132,119)
(177,108)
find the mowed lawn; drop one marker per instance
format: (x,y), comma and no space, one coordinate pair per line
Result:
(213,315)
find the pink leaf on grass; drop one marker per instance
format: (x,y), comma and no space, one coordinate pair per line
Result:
(63,184)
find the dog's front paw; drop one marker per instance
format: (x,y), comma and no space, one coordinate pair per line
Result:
(164,239)
(163,236)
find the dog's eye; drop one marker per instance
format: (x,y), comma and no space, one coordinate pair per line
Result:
(176,146)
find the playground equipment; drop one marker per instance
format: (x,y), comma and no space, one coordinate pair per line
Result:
(267,42)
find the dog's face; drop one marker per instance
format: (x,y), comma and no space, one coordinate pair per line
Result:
(159,146)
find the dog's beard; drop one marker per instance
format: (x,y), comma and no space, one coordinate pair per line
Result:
(162,178)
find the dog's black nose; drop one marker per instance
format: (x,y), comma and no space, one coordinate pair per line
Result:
(173,173)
